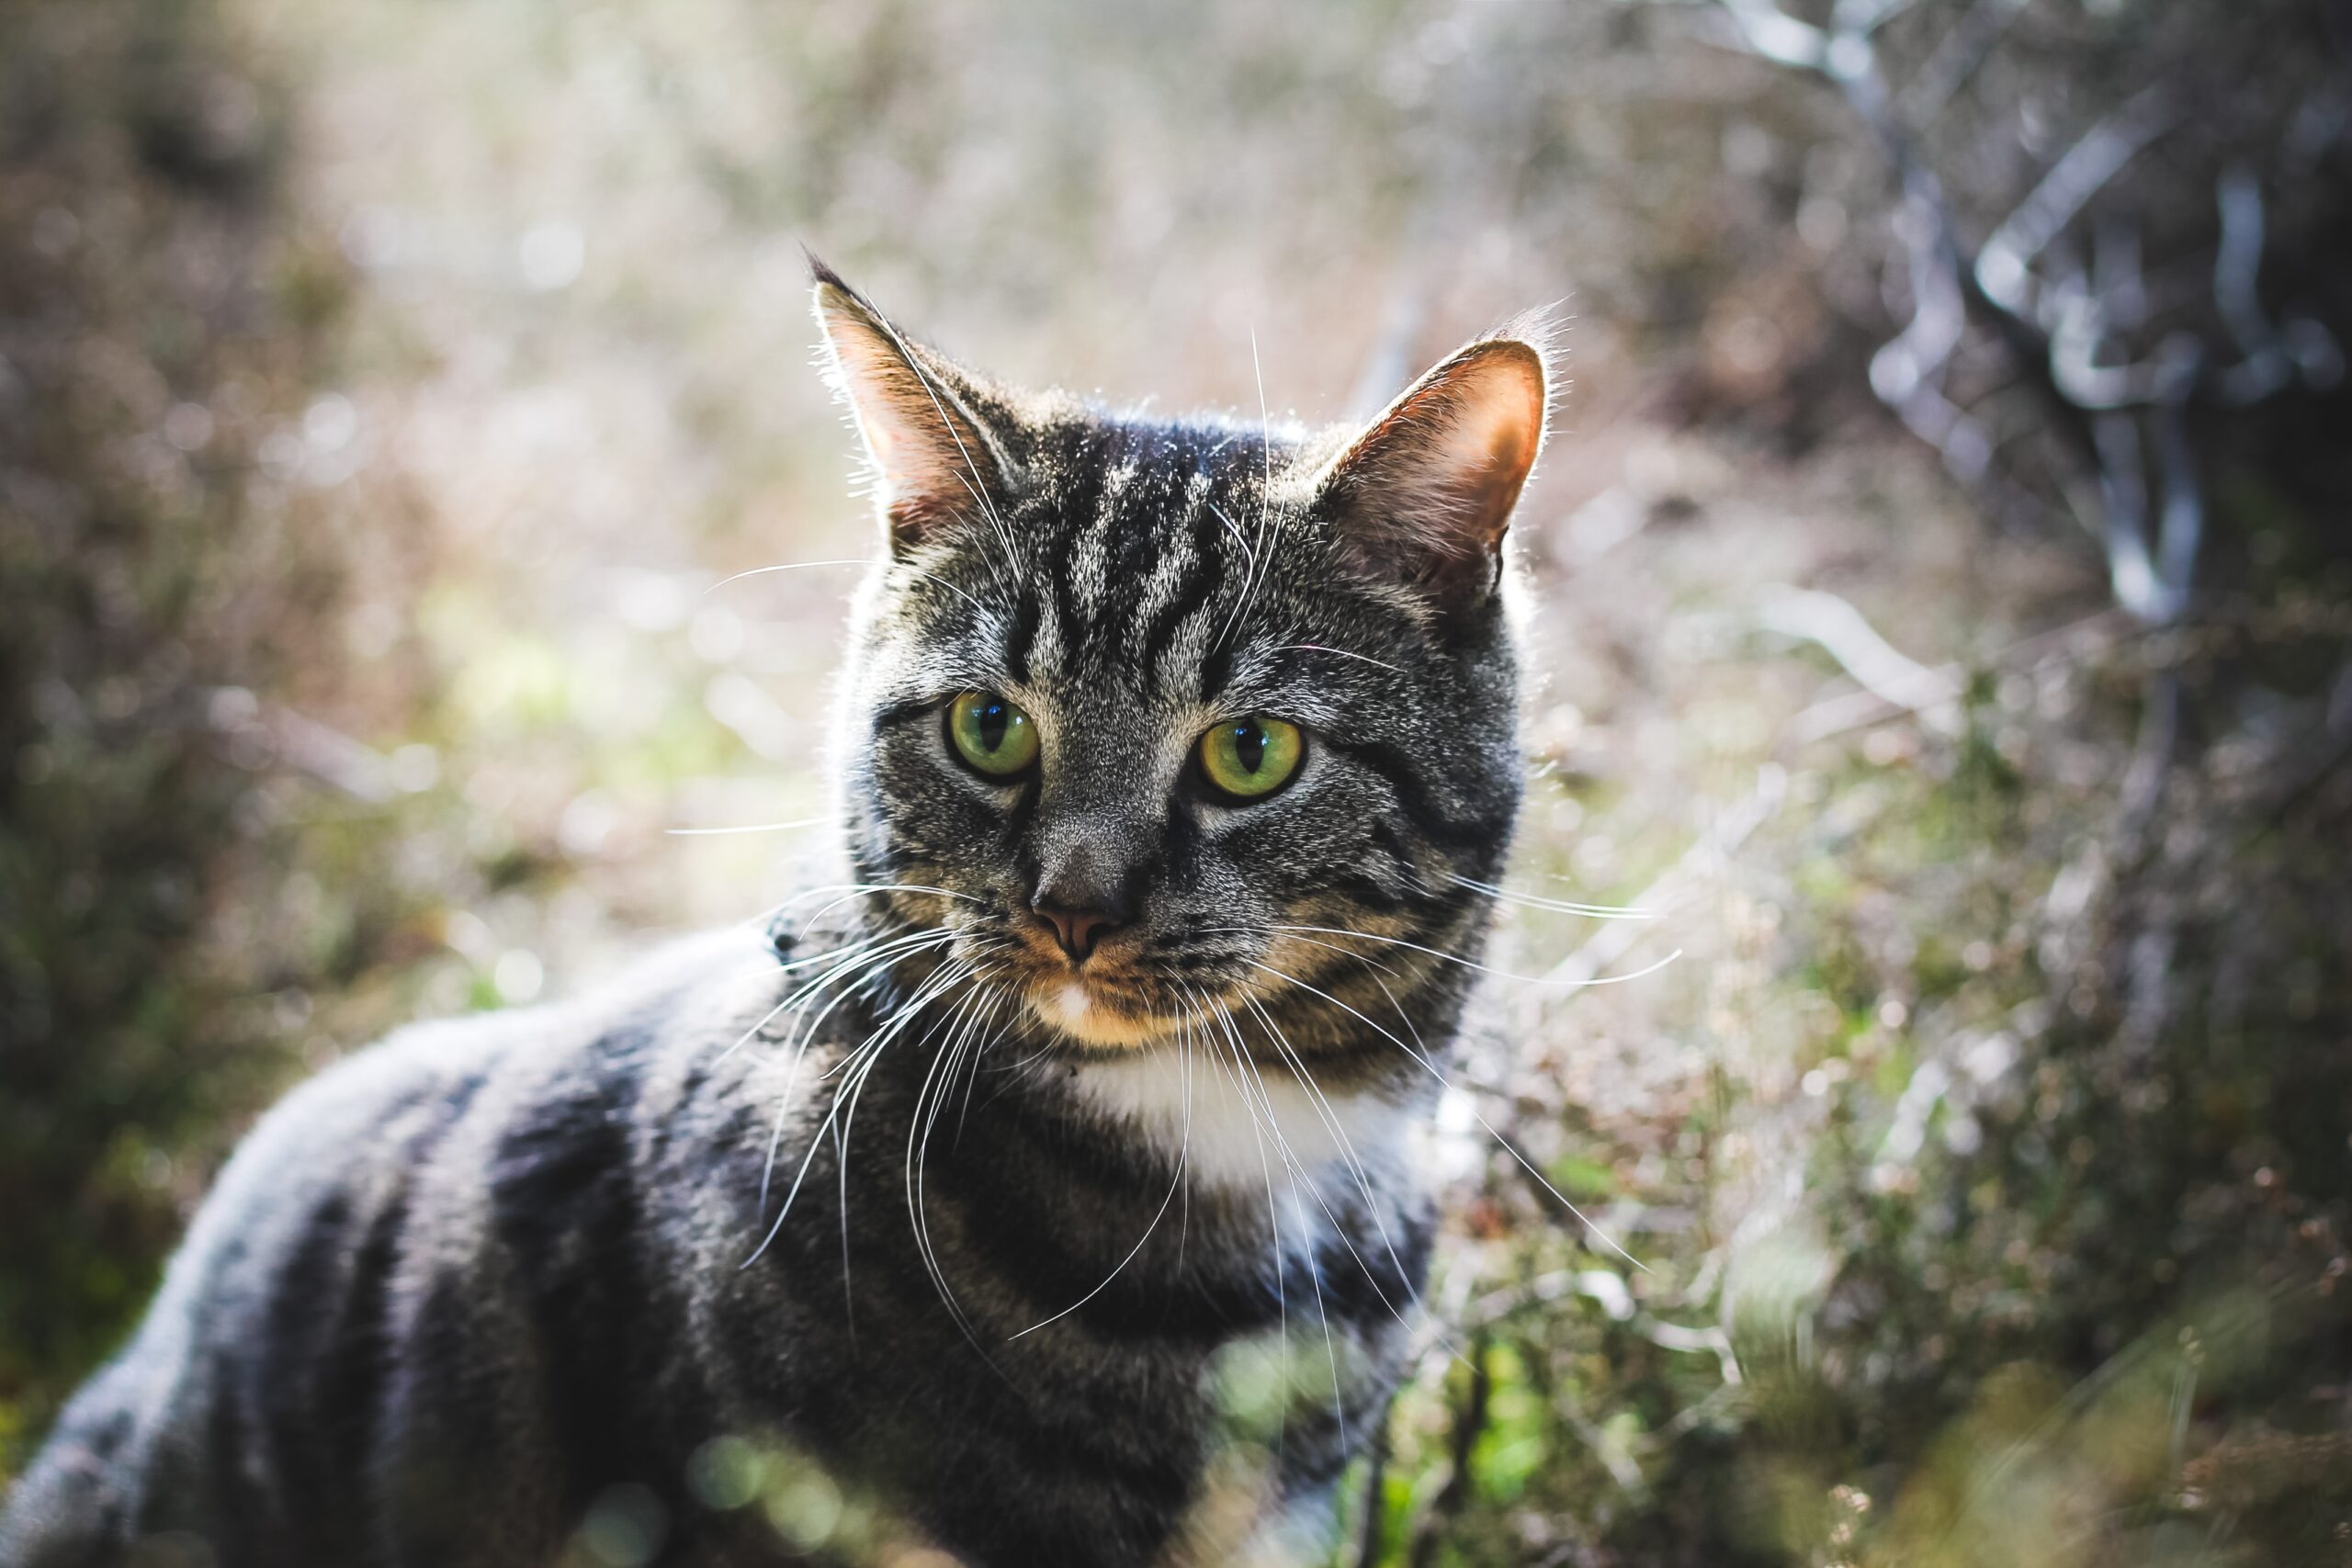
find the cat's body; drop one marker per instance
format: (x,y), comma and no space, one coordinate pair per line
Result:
(550,1216)
(1047,1187)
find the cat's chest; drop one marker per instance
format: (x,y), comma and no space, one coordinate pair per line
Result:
(1309,1159)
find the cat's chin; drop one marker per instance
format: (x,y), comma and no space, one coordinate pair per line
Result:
(1073,1009)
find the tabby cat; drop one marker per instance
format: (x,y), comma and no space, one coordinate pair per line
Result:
(1044,1192)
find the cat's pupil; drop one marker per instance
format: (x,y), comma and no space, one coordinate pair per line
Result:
(993,719)
(1249,746)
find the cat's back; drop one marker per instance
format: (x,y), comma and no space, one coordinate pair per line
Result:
(284,1352)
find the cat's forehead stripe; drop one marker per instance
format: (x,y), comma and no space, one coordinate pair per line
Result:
(1119,545)
(1141,559)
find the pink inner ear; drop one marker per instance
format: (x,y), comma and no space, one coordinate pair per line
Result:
(1425,494)
(931,463)
(1498,427)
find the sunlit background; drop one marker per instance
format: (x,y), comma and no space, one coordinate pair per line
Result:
(1943,627)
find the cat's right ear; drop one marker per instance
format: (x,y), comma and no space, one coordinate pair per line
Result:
(933,460)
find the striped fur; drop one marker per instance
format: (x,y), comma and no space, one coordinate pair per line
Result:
(1038,1264)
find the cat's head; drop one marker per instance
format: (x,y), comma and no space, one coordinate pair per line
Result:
(1169,720)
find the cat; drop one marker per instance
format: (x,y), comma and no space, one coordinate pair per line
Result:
(1048,1192)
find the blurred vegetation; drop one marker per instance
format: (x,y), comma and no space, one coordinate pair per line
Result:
(384,389)
(149,320)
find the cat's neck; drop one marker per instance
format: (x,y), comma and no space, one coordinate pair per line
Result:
(1241,1123)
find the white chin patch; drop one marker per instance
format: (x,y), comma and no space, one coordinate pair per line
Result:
(1072,1009)
(1233,1135)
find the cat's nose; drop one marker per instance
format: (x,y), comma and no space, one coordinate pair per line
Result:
(1090,884)
(1077,930)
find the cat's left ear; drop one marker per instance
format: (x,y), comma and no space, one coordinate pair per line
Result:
(934,458)
(1423,495)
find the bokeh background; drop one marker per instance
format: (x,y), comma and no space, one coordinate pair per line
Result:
(1943,625)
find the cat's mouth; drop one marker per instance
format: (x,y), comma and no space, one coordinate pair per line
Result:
(1107,1001)
(1135,988)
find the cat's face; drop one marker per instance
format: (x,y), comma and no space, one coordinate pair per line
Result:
(1171,722)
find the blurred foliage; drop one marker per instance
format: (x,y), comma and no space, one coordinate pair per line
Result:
(386,388)
(149,321)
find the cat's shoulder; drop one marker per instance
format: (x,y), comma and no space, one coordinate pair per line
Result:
(700,984)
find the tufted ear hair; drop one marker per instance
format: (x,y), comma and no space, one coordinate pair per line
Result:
(1421,497)
(932,456)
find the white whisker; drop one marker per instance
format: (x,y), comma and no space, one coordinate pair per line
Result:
(866,1052)
(1240,1078)
(1322,1311)
(806,1034)
(1298,1172)
(1365,959)
(938,985)
(1184,1142)
(859,958)
(1338,1130)
(788,565)
(848,890)
(972,1079)
(920,1126)
(1331,1122)
(748,828)
(1173,1186)
(1255,578)
(1558,906)
(1488,969)
(1342,653)
(1248,574)
(1508,1147)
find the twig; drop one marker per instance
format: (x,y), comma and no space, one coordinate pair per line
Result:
(2003,268)
(1842,632)
(2272,358)
(1832,716)
(305,744)
(1617,1304)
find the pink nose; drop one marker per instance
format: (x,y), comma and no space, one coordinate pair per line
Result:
(1076,930)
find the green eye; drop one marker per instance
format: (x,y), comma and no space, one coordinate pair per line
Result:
(991,734)
(1252,757)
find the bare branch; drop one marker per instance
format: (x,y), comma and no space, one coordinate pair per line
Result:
(2076,375)
(1768,30)
(2003,268)
(2272,357)
(2182,528)
(1938,313)
(2124,503)
(1843,633)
